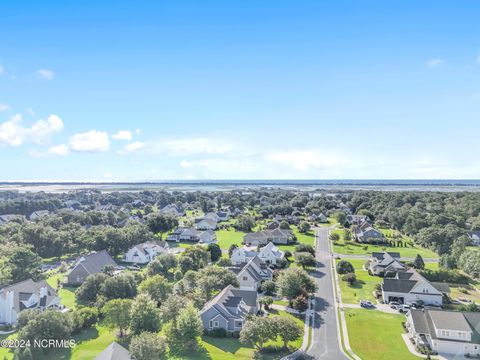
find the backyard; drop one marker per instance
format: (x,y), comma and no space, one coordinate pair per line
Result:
(375,335)
(363,288)
(350,248)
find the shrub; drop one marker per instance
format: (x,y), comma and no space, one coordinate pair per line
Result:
(305,248)
(300,303)
(220,332)
(344,267)
(334,237)
(350,278)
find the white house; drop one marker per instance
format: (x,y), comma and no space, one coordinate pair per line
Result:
(27,294)
(409,287)
(270,254)
(145,252)
(192,235)
(446,332)
(206,223)
(253,273)
(242,255)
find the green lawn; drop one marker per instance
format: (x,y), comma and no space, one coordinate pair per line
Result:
(232,349)
(431,265)
(226,238)
(308,239)
(66,293)
(363,287)
(341,247)
(375,335)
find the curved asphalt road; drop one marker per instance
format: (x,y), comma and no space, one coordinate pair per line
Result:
(325,344)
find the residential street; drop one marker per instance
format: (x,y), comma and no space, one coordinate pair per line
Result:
(325,343)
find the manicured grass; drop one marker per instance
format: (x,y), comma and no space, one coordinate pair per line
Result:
(375,335)
(308,238)
(66,293)
(363,287)
(231,349)
(432,265)
(92,342)
(341,247)
(281,302)
(226,238)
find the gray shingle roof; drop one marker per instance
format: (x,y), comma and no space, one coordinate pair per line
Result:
(114,351)
(95,262)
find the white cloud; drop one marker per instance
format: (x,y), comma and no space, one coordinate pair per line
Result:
(4,107)
(107,175)
(123,135)
(42,129)
(59,150)
(45,74)
(435,62)
(186,164)
(14,134)
(132,147)
(91,141)
(303,160)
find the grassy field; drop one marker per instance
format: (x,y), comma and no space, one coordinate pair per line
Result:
(363,287)
(341,247)
(226,238)
(375,335)
(308,238)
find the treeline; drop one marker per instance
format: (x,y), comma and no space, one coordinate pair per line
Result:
(438,221)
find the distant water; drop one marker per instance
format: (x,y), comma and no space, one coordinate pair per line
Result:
(228,185)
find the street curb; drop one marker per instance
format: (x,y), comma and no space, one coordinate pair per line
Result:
(340,315)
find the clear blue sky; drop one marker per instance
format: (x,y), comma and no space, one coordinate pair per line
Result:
(145,90)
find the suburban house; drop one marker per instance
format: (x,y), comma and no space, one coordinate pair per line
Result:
(27,294)
(408,287)
(322,218)
(250,277)
(276,236)
(9,217)
(357,219)
(229,309)
(223,215)
(242,255)
(172,210)
(38,215)
(269,254)
(89,264)
(474,236)
(206,223)
(114,351)
(446,332)
(192,235)
(145,252)
(383,263)
(365,233)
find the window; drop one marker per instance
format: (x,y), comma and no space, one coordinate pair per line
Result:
(245,278)
(215,324)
